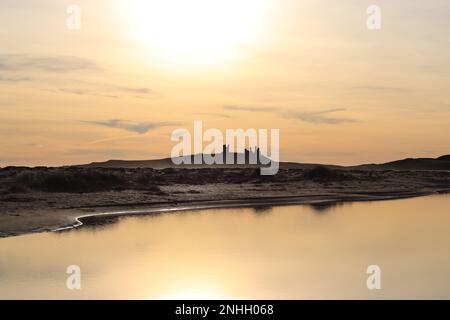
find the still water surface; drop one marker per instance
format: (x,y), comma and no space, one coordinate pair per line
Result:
(287,252)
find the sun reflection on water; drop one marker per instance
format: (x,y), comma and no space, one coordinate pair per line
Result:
(194,294)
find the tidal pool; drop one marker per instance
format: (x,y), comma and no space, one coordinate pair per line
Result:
(285,252)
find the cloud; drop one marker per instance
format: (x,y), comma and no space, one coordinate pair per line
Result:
(56,64)
(34,145)
(14,79)
(380,88)
(135,90)
(82,92)
(107,91)
(137,127)
(252,109)
(320,117)
(4,66)
(15,63)
(217,115)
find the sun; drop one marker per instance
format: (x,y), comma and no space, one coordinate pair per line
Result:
(200,32)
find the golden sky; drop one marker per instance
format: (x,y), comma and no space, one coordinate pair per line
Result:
(139,69)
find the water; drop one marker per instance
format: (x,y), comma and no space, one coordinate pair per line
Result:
(289,252)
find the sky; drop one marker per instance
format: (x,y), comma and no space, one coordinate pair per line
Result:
(136,70)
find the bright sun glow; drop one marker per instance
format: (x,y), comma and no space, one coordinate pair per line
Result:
(195,31)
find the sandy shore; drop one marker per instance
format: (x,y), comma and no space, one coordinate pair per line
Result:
(39,211)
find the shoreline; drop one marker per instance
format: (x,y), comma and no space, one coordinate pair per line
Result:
(103,216)
(48,199)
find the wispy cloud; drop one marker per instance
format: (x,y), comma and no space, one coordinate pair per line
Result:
(109,91)
(82,92)
(216,115)
(138,127)
(380,88)
(14,79)
(320,117)
(251,109)
(14,66)
(144,91)
(56,64)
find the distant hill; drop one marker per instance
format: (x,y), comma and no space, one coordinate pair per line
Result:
(441,163)
(155,164)
(168,163)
